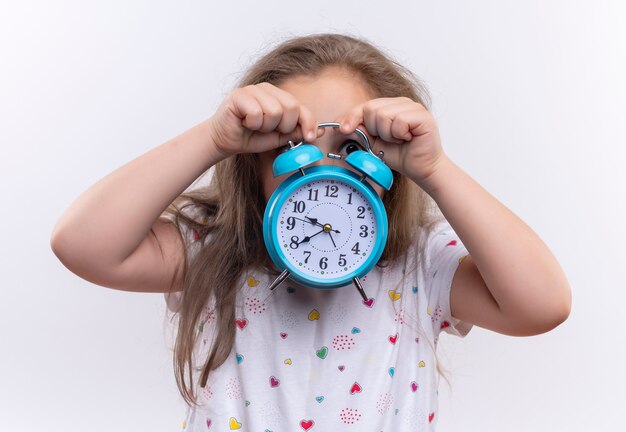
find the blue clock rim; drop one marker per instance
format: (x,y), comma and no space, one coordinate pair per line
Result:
(282,192)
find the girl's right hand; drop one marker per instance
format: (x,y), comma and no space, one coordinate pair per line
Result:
(258,118)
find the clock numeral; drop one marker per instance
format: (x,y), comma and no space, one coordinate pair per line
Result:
(324,263)
(308,255)
(294,241)
(313,195)
(356,249)
(291,223)
(342,260)
(332,191)
(363,232)
(361,210)
(299,206)
(350,198)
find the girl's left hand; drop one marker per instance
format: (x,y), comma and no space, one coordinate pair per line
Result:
(404,130)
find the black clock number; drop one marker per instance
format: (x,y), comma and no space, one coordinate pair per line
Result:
(350,198)
(361,214)
(332,191)
(342,260)
(308,255)
(299,206)
(363,232)
(356,249)
(324,263)
(291,223)
(313,194)
(294,243)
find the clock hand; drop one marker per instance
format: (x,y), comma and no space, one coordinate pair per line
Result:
(308,238)
(315,222)
(312,223)
(331,239)
(319,232)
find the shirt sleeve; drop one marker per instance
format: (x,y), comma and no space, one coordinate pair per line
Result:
(444,252)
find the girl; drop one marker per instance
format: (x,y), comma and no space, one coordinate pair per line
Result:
(298,358)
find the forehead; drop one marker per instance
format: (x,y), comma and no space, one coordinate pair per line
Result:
(330,94)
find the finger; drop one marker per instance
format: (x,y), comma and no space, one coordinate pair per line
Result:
(298,117)
(379,113)
(369,115)
(303,120)
(304,125)
(421,122)
(352,119)
(290,108)
(247,108)
(362,114)
(272,109)
(385,116)
(403,123)
(309,125)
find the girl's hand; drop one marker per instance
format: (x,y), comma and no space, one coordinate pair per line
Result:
(260,117)
(404,130)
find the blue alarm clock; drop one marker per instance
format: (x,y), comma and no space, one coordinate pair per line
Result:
(325,226)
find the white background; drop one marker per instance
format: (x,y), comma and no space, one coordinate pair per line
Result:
(530,100)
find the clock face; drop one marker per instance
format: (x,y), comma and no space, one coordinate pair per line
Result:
(326,229)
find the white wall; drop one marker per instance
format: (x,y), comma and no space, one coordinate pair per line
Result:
(530,99)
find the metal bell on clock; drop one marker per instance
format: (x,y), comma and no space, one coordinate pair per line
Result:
(296,157)
(371,167)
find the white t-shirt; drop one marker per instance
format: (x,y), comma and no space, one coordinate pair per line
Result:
(307,359)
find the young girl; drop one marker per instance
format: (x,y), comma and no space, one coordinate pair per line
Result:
(298,358)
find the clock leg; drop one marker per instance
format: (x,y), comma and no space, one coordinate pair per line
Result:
(359,287)
(279,279)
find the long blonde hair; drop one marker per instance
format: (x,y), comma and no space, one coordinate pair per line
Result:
(230,209)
